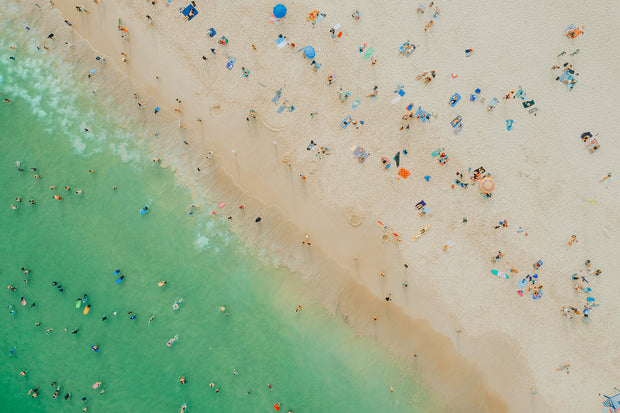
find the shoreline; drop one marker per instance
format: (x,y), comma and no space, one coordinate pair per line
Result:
(308,213)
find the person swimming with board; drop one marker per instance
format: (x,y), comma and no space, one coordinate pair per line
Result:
(172,340)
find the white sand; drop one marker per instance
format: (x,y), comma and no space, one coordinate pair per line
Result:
(544,176)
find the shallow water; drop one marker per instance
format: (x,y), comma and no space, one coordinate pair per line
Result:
(312,360)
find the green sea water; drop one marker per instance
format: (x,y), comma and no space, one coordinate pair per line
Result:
(313,361)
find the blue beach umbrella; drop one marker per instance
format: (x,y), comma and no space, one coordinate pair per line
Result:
(279,11)
(309,52)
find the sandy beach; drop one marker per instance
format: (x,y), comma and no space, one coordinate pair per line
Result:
(482,342)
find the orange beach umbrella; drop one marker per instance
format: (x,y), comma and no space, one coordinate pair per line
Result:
(486,185)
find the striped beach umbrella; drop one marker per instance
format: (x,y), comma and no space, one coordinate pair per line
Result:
(486,185)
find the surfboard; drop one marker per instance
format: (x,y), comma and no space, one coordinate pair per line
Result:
(499,274)
(78,303)
(522,284)
(86,309)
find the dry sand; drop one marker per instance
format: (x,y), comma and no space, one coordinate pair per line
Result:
(544,177)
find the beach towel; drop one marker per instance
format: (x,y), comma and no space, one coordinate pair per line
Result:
(422,114)
(274,20)
(455,99)
(568,79)
(277,96)
(573,31)
(436,153)
(431,22)
(360,154)
(281,109)
(492,103)
(312,16)
(231,63)
(368,53)
(320,17)
(335,32)
(346,122)
(457,130)
(281,42)
(211,32)
(189,12)
(406,49)
(421,232)
(397,159)
(356,103)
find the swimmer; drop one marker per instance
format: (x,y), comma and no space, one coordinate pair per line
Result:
(52,187)
(182,380)
(151,319)
(161,283)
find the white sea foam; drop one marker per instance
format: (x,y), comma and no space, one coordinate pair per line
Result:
(201,242)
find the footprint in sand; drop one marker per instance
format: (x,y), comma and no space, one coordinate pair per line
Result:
(215,111)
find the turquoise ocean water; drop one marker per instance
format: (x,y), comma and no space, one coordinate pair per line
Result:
(312,360)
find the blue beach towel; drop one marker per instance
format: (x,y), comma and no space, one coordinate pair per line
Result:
(422,114)
(190,12)
(568,79)
(455,99)
(346,122)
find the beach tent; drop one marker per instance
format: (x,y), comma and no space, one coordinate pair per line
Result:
(279,11)
(309,52)
(613,402)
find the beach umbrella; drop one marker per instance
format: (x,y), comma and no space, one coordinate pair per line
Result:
(309,52)
(487,185)
(279,11)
